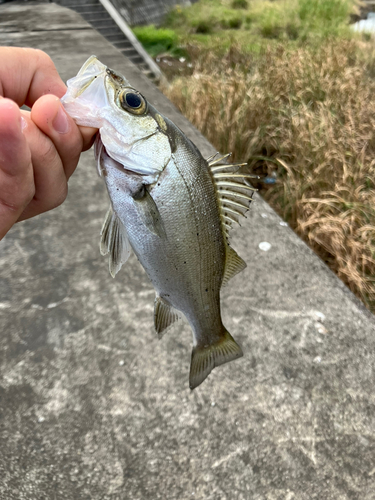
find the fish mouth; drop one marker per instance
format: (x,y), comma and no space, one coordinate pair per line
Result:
(92,70)
(95,83)
(92,65)
(88,86)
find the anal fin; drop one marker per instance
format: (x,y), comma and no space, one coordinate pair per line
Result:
(114,240)
(233,265)
(205,358)
(164,315)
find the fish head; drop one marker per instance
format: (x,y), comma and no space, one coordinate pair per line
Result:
(131,131)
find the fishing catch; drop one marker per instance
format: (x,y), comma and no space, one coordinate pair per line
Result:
(172,207)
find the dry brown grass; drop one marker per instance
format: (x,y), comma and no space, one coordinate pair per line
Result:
(309,115)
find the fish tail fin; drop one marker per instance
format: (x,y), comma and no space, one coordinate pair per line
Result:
(205,358)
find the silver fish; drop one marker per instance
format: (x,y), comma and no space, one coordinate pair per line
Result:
(168,204)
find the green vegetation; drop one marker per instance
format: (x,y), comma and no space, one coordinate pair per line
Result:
(157,40)
(239,4)
(289,89)
(303,20)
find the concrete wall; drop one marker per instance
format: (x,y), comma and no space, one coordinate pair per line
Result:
(137,12)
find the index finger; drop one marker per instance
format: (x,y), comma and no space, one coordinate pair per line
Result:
(27,74)
(16,173)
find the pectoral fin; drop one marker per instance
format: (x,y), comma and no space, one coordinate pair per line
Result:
(114,240)
(149,213)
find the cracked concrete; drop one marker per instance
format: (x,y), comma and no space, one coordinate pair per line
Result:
(93,406)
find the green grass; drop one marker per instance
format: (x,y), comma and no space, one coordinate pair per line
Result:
(218,24)
(259,21)
(158,40)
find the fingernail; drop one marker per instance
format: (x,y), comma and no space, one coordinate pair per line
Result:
(60,123)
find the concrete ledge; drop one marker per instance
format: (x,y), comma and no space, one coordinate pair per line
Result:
(93,406)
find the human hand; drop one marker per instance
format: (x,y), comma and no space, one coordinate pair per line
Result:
(39,151)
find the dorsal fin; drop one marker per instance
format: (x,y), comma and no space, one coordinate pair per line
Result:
(233,264)
(114,240)
(164,315)
(233,191)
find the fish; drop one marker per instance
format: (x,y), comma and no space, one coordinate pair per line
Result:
(169,205)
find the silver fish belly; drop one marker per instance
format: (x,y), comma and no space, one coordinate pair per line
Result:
(175,217)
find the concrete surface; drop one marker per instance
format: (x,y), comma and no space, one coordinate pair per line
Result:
(93,406)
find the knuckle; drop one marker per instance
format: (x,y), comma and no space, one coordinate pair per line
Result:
(28,194)
(14,201)
(60,197)
(43,57)
(49,153)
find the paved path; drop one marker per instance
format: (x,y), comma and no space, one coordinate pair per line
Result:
(94,407)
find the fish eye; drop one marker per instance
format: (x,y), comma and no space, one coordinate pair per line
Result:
(133,102)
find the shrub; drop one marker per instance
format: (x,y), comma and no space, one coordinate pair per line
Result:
(233,22)
(325,12)
(239,4)
(176,17)
(271,19)
(156,40)
(203,26)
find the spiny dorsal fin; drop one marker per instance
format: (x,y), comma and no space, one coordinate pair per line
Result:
(233,264)
(205,357)
(233,190)
(164,315)
(114,241)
